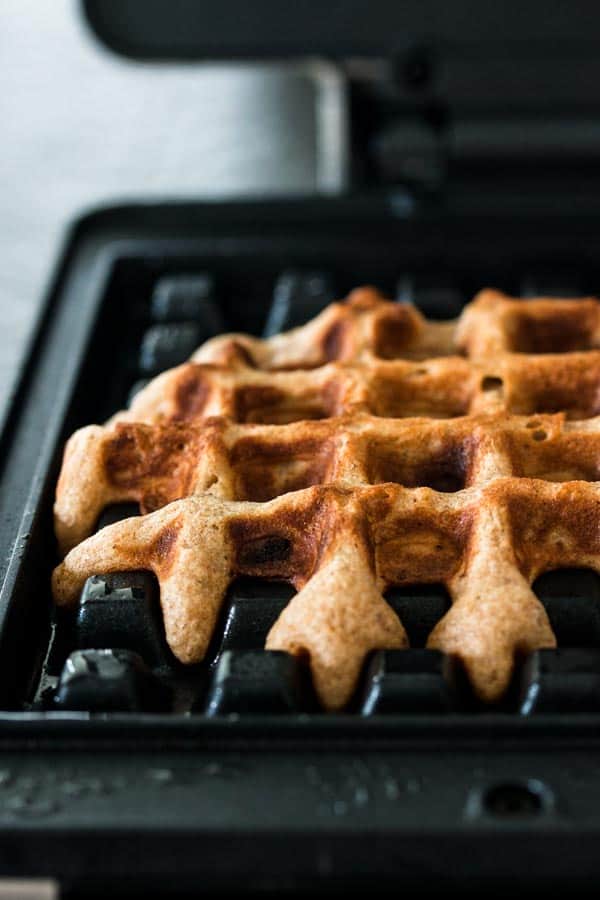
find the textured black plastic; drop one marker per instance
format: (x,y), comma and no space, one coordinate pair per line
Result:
(108,680)
(168,345)
(436,298)
(182,298)
(571,598)
(422,682)
(298,297)
(561,681)
(419,607)
(122,610)
(257,681)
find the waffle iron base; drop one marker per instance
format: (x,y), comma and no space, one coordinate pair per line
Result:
(274,800)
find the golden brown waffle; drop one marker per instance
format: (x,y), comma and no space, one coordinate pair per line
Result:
(357,494)
(385,358)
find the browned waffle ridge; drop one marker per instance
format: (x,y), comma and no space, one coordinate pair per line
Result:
(300,458)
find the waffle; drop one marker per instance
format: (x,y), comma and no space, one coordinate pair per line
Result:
(367,449)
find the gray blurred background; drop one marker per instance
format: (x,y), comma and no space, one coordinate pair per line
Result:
(81,127)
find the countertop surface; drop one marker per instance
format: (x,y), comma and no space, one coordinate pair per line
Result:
(82,128)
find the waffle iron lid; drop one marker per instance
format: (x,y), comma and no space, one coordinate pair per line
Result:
(270,29)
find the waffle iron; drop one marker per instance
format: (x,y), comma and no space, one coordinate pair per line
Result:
(472,146)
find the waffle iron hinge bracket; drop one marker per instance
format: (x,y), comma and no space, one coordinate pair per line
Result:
(397,122)
(427,114)
(413,150)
